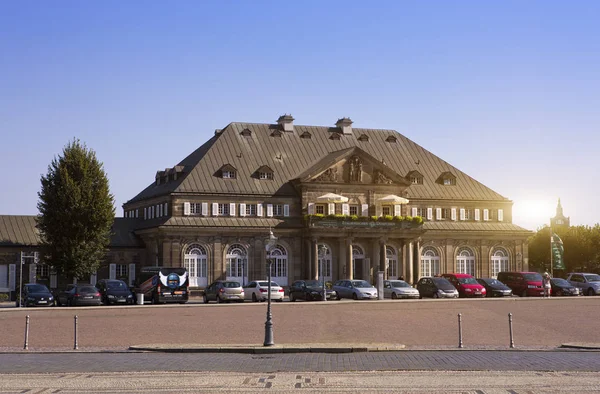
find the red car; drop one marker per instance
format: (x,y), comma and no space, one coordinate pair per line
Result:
(466,285)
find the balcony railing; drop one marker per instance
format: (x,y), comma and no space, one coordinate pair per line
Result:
(353,221)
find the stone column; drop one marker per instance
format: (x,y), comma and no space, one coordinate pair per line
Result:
(483,269)
(349,270)
(418,259)
(218,268)
(383,258)
(404,258)
(409,263)
(306,269)
(342,268)
(314,258)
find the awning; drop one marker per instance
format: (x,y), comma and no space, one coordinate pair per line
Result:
(332,197)
(393,199)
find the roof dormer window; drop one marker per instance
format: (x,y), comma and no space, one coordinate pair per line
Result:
(363,137)
(447,179)
(415,177)
(264,172)
(335,136)
(391,138)
(227,172)
(276,133)
(306,135)
(246,133)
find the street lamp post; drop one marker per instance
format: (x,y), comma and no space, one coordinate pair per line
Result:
(269,245)
(322,252)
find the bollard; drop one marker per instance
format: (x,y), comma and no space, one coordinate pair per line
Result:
(512,342)
(26,346)
(75,347)
(460,341)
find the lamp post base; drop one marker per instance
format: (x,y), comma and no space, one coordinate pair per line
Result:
(269,334)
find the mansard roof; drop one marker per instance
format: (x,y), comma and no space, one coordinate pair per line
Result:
(290,156)
(21,230)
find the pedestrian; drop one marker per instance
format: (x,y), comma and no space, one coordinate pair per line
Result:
(546,282)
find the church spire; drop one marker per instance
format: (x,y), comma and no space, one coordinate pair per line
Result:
(559,209)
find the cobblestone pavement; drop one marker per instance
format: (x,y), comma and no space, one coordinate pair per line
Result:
(457,360)
(515,382)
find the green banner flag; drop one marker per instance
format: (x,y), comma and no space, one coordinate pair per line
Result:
(557,253)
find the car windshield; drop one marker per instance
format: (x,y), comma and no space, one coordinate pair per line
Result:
(266,284)
(532,277)
(441,281)
(399,283)
(87,289)
(313,283)
(467,281)
(117,284)
(37,289)
(360,283)
(231,284)
(592,278)
(493,282)
(560,282)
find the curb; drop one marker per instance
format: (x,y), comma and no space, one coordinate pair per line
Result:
(581,345)
(258,349)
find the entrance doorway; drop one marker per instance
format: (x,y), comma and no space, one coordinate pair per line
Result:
(358,263)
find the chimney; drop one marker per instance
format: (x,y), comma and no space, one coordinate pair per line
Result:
(286,122)
(345,124)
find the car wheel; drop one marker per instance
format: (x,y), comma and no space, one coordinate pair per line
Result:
(420,297)
(292,298)
(524,293)
(205,299)
(394,296)
(591,292)
(436,295)
(254,299)
(354,296)
(308,297)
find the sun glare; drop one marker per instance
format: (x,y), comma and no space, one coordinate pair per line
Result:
(533,214)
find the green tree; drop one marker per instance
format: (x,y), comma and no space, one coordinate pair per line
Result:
(76,212)
(581,245)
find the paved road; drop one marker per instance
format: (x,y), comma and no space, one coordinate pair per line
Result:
(456,360)
(537,323)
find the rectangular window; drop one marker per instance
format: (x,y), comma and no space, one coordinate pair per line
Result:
(445,213)
(422,212)
(121,271)
(223,209)
(277,210)
(386,210)
(354,210)
(469,214)
(228,174)
(416,180)
(250,209)
(449,182)
(265,175)
(320,209)
(196,208)
(42,271)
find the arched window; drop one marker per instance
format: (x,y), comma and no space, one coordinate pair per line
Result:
(465,261)
(499,261)
(430,262)
(392,262)
(237,263)
(279,266)
(194,260)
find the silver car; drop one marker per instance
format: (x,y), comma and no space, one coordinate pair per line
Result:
(588,284)
(224,291)
(355,289)
(395,289)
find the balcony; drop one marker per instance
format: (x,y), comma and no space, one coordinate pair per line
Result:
(352,221)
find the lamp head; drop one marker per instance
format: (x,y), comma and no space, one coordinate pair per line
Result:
(271,241)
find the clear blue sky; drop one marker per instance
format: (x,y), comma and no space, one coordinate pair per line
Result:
(506,91)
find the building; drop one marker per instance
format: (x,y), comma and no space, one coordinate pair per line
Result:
(560,220)
(343,202)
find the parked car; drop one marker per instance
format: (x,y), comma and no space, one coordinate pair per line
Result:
(355,289)
(561,287)
(223,291)
(114,291)
(495,288)
(79,294)
(436,287)
(588,284)
(395,289)
(259,291)
(466,285)
(310,290)
(524,284)
(35,294)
